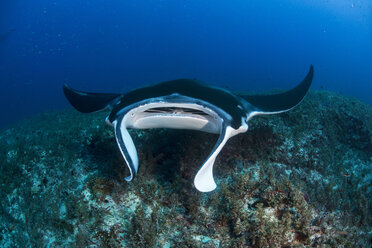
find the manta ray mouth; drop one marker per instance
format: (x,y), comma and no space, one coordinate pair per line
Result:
(176,111)
(174,115)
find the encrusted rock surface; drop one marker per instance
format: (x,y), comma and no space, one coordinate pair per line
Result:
(298,179)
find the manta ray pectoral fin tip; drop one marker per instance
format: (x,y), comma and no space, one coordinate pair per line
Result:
(87,102)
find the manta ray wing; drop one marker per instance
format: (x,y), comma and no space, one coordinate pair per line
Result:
(276,103)
(87,102)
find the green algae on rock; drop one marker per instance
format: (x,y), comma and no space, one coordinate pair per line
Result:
(299,179)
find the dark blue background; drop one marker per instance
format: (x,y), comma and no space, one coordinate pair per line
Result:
(116,45)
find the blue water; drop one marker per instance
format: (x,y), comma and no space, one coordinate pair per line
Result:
(117,45)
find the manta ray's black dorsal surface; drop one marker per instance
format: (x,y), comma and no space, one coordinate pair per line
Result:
(184,104)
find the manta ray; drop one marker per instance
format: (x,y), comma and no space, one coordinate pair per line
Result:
(184,104)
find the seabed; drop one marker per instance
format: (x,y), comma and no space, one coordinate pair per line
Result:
(298,179)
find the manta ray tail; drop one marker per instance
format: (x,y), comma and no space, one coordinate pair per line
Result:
(86,102)
(267,104)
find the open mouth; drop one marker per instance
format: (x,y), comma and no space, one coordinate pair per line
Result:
(175,111)
(183,116)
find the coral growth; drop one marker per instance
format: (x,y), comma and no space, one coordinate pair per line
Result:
(298,179)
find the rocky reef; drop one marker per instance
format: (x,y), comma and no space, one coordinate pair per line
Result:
(298,179)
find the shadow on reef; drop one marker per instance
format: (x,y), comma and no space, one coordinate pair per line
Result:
(299,179)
